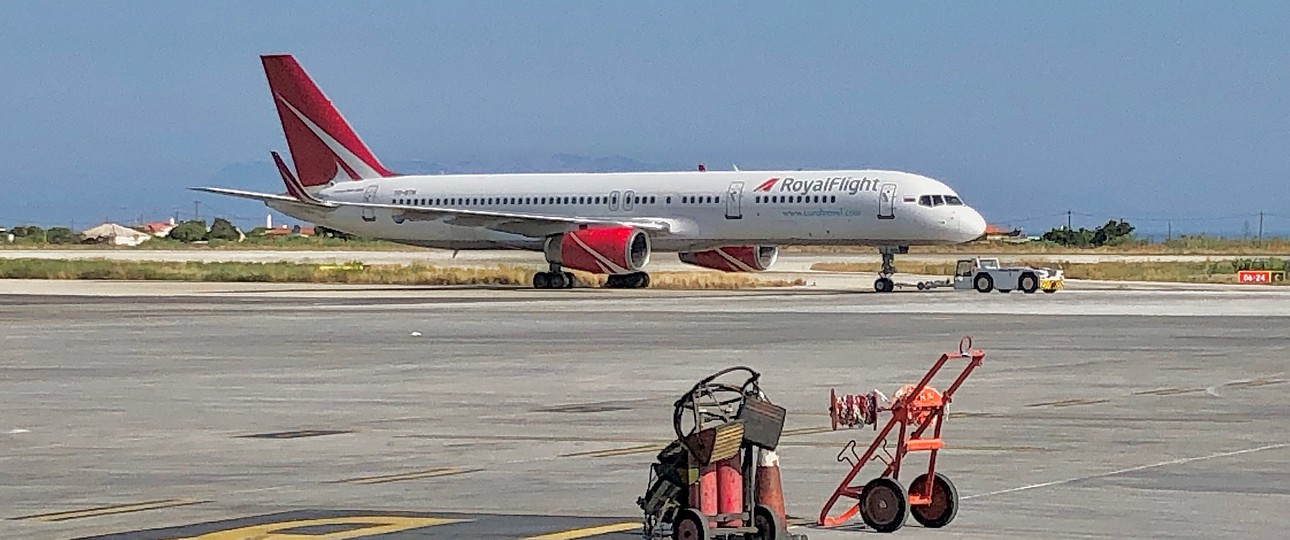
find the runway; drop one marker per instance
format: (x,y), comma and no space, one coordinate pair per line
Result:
(208,410)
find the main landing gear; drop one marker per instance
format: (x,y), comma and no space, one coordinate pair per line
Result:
(634,280)
(555,279)
(559,279)
(884,282)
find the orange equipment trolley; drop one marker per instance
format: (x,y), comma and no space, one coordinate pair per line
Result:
(882,502)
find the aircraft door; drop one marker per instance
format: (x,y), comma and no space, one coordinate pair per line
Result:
(887,202)
(734,201)
(628,202)
(369,196)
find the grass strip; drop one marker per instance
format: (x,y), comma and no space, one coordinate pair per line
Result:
(350,273)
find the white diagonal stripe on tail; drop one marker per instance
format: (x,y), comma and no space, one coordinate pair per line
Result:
(352,161)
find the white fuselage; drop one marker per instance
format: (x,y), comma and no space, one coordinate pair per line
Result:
(711,209)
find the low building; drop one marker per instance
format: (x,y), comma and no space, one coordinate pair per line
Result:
(291,231)
(116,235)
(995,232)
(158,229)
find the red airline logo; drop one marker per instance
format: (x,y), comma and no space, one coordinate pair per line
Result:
(767,185)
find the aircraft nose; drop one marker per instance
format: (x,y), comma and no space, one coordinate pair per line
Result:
(971,224)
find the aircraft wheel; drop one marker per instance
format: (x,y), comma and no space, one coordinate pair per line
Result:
(569,281)
(541,280)
(883,285)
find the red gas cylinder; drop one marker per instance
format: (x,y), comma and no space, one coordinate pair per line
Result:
(703,493)
(730,489)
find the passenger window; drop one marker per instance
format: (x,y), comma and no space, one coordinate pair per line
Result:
(669,199)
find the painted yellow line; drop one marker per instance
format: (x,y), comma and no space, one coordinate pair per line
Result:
(645,448)
(110,510)
(416,475)
(352,527)
(586,532)
(618,451)
(807,431)
(1168,391)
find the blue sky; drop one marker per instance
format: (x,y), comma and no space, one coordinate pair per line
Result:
(1145,110)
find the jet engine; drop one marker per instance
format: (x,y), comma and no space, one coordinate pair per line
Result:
(733,258)
(604,250)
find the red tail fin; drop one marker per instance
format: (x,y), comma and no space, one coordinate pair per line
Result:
(323,146)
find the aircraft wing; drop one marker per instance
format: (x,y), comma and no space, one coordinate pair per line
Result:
(255,196)
(531,225)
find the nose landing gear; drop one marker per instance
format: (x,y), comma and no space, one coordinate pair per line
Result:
(884,283)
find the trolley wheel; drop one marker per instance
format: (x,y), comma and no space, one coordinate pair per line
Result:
(690,524)
(945,501)
(884,505)
(769,525)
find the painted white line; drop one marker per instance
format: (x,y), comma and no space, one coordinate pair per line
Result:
(1129,470)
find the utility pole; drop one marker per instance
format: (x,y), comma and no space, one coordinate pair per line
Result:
(1260,226)
(1170,235)
(1068,220)
(196,214)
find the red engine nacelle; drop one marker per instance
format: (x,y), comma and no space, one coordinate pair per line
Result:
(733,258)
(608,250)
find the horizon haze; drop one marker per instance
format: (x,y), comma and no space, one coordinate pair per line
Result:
(1168,114)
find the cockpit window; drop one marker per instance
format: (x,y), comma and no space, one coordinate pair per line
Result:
(953,201)
(937,200)
(925,200)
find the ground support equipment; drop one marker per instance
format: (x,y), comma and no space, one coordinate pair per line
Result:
(882,502)
(720,478)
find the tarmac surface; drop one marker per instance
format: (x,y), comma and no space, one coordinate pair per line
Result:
(216,411)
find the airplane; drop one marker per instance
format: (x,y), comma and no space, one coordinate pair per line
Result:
(601,223)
